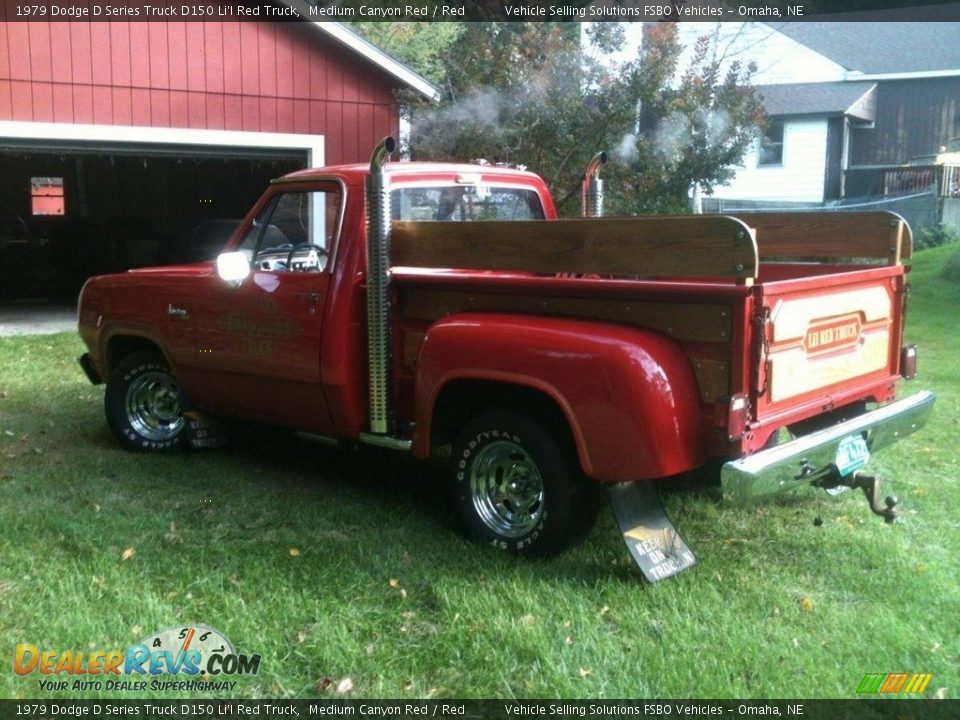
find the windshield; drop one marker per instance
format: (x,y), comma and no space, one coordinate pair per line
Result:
(465,203)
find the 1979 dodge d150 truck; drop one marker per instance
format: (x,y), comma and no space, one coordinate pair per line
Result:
(416,306)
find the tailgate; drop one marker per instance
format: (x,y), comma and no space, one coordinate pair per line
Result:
(827,341)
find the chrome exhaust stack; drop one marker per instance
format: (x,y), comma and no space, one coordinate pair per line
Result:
(378,285)
(591,188)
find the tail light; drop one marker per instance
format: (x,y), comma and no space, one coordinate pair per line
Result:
(732,413)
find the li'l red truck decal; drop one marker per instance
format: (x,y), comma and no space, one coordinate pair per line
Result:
(833,334)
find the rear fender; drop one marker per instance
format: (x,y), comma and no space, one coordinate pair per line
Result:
(629,395)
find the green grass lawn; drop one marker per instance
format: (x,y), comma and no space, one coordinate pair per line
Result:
(382,591)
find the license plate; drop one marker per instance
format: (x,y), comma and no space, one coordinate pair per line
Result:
(852,454)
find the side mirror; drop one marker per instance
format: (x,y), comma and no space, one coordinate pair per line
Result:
(233,267)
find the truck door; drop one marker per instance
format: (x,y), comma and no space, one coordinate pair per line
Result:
(261,340)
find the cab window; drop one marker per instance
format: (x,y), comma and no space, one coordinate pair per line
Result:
(295,232)
(465,203)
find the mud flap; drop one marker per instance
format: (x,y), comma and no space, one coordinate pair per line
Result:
(204,431)
(653,541)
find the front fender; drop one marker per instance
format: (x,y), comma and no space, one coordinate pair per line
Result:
(629,395)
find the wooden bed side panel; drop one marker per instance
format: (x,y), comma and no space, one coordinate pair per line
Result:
(698,322)
(681,246)
(878,234)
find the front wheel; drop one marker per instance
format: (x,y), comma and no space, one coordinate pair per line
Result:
(144,404)
(518,488)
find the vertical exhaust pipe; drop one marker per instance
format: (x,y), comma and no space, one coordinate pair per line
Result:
(378,278)
(591,189)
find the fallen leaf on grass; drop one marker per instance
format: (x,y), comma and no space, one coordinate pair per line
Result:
(394,583)
(294,552)
(324,684)
(344,686)
(941,694)
(806,604)
(174,535)
(585,672)
(127,554)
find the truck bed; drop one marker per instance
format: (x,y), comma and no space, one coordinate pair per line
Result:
(798,313)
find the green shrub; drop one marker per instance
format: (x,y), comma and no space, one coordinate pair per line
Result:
(928,237)
(951,268)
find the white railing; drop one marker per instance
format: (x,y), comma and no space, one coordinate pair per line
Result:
(950,181)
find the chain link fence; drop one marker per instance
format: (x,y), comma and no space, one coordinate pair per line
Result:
(921,209)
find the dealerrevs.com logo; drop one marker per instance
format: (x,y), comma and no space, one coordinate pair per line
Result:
(200,654)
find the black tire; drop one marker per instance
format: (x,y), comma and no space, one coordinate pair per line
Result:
(518,488)
(144,404)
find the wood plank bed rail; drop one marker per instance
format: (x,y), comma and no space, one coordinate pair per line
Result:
(680,246)
(836,235)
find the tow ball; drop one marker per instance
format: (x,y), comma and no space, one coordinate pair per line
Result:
(871,486)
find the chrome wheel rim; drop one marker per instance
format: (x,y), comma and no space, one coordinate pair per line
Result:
(506,489)
(153,407)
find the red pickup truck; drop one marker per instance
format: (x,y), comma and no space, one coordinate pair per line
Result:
(419,306)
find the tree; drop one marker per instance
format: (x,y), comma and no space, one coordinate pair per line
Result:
(421,45)
(518,93)
(695,130)
(526,94)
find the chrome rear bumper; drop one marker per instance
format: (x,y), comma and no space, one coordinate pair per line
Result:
(810,458)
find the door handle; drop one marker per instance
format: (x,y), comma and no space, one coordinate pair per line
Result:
(310,298)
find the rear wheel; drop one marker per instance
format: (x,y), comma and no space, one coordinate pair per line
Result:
(518,488)
(144,404)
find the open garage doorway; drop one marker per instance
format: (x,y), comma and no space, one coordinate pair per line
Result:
(69,213)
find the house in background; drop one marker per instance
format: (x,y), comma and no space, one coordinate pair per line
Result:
(849,104)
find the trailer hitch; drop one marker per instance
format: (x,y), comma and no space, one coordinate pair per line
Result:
(871,486)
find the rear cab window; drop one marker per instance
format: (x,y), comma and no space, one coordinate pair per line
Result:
(458,202)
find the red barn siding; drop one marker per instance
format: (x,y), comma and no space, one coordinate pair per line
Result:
(257,77)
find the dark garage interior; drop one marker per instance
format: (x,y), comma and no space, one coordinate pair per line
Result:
(69,213)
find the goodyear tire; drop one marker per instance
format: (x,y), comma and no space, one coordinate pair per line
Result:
(144,404)
(518,488)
